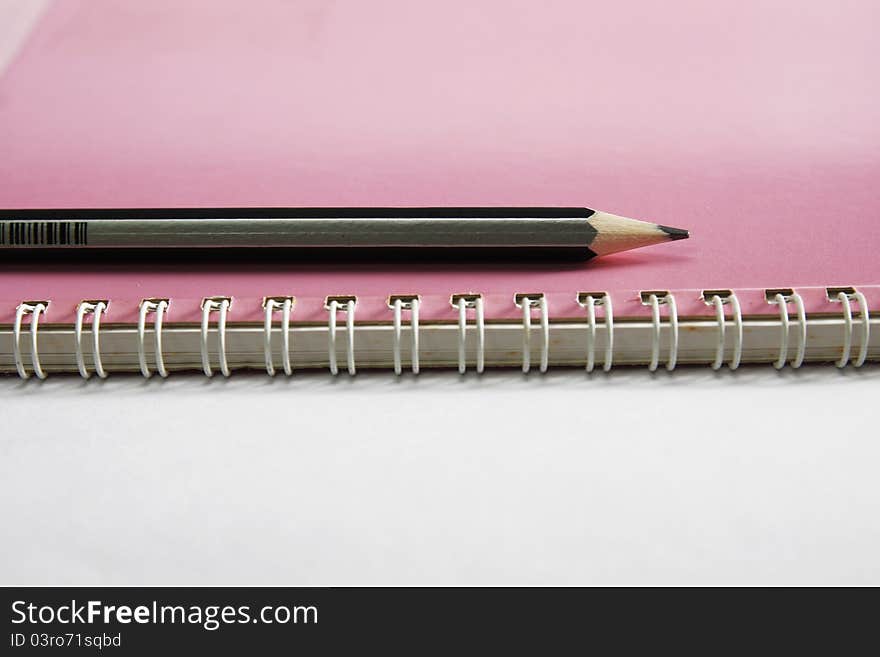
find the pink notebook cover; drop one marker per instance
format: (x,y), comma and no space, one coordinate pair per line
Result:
(753,124)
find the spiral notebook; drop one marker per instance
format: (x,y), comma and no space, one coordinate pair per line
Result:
(722,118)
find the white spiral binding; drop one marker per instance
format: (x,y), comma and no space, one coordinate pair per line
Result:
(273,304)
(719,318)
(160,307)
(333,305)
(783,331)
(97,308)
(718,299)
(802,332)
(463,302)
(782,299)
(527,302)
(35,309)
(738,332)
(590,301)
(845,297)
(866,329)
(654,299)
(399,303)
(221,306)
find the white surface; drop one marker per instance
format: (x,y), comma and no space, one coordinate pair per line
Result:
(693,477)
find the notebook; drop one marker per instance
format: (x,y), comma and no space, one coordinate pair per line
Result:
(723,118)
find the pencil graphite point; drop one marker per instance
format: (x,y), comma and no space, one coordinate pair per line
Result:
(615,234)
(674,233)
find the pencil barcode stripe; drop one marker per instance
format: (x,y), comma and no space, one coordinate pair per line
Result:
(44,233)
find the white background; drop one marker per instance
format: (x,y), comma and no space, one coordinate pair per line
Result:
(693,478)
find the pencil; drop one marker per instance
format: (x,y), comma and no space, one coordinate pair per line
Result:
(582,232)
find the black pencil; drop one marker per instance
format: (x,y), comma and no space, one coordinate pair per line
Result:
(573,231)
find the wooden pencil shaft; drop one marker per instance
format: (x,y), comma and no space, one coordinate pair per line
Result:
(319,228)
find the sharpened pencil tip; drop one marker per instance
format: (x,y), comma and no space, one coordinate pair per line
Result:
(674,233)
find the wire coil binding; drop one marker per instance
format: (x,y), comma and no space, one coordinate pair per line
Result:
(399,303)
(782,297)
(718,299)
(844,296)
(285,306)
(590,300)
(728,327)
(655,299)
(463,303)
(528,302)
(34,309)
(159,307)
(96,308)
(221,306)
(335,305)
